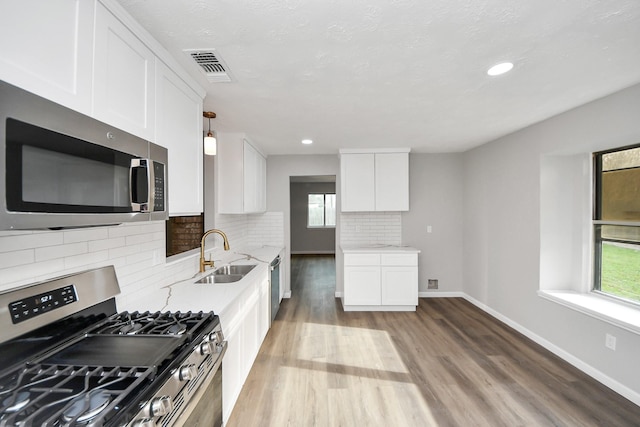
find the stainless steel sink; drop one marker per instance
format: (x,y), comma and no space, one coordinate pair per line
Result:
(242,269)
(227,274)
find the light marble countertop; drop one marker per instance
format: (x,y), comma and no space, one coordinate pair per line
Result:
(378,248)
(186,295)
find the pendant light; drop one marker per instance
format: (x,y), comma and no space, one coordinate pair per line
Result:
(210,147)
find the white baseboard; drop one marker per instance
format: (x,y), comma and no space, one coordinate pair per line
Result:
(338,294)
(287,294)
(432,294)
(568,357)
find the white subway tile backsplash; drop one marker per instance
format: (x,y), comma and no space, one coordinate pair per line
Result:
(15,258)
(87,260)
(15,242)
(98,245)
(135,249)
(85,235)
(61,251)
(367,228)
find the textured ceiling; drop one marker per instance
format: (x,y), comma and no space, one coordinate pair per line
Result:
(408,73)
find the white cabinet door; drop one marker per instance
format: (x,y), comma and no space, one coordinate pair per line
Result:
(46,48)
(399,285)
(255,178)
(232,379)
(392,182)
(362,285)
(241,170)
(251,178)
(357,182)
(261,187)
(264,321)
(252,339)
(123,77)
(179,129)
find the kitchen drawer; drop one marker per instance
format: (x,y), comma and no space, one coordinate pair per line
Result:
(399,259)
(361,259)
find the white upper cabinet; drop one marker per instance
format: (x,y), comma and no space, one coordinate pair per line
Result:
(255,178)
(357,182)
(374,181)
(241,184)
(392,182)
(123,77)
(46,47)
(179,129)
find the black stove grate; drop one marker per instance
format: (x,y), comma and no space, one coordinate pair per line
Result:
(158,323)
(69,396)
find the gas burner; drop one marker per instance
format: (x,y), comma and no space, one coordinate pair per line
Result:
(131,328)
(86,407)
(16,402)
(176,329)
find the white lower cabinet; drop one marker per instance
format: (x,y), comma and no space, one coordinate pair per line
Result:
(246,323)
(380,281)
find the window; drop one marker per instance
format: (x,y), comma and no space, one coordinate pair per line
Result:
(617,223)
(321,210)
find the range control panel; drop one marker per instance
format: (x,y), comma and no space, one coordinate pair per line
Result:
(42,303)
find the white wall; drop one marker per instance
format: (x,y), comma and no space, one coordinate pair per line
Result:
(279,169)
(502,232)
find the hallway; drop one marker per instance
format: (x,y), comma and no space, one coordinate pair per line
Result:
(447,364)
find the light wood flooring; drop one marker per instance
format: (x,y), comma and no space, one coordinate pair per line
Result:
(447,364)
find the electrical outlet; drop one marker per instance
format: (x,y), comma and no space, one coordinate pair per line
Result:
(432,284)
(429,229)
(610,341)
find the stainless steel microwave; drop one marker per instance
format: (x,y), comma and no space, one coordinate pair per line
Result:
(64,169)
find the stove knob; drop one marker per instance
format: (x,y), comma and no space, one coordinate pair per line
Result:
(161,406)
(216,337)
(144,422)
(206,348)
(187,373)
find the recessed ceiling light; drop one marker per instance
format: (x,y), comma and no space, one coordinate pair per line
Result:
(307,141)
(501,68)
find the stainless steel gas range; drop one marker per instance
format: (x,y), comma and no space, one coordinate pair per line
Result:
(70,359)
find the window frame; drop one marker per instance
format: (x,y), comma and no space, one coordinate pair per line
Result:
(324,205)
(598,223)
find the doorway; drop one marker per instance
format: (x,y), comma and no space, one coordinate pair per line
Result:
(312,214)
(313,217)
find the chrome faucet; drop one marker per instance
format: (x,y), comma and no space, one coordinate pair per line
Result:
(204,263)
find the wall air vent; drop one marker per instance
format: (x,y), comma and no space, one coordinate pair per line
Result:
(211,64)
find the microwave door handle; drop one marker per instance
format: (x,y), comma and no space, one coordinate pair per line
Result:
(139,202)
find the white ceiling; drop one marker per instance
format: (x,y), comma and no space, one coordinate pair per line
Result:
(407,73)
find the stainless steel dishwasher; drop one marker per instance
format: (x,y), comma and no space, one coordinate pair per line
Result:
(275,286)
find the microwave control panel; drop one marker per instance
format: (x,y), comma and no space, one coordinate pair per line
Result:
(158,185)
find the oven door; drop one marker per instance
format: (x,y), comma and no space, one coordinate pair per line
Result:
(204,407)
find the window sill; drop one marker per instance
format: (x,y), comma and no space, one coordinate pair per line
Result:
(616,313)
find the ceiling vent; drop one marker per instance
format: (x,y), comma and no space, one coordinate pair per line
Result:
(211,64)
